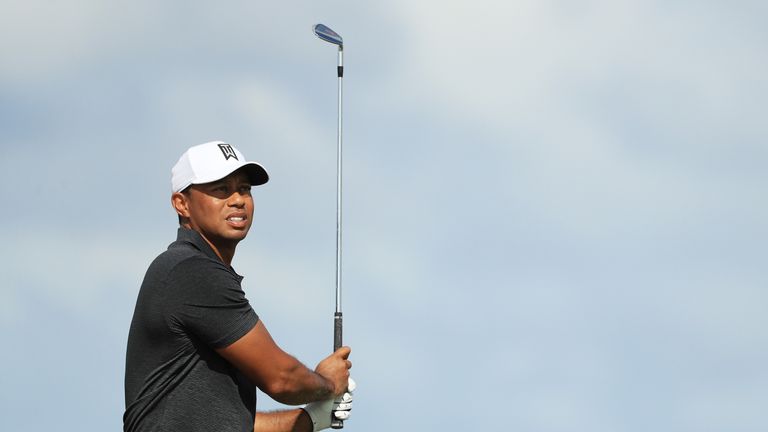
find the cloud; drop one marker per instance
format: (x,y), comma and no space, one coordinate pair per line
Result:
(74,272)
(550,207)
(603,115)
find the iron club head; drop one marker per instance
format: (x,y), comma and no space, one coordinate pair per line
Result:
(325,33)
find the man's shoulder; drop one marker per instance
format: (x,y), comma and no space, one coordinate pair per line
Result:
(182,257)
(165,265)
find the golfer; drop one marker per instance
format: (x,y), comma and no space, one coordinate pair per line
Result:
(196,349)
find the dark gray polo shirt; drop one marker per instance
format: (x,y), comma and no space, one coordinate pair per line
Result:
(189,304)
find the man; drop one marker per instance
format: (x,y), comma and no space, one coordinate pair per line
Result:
(196,349)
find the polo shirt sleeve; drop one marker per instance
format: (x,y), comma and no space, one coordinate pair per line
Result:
(209,302)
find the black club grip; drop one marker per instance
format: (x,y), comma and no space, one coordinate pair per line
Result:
(337,331)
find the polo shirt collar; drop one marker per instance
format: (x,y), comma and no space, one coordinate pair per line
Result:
(187,235)
(195,239)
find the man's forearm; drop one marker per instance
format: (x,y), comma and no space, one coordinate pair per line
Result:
(281,375)
(301,385)
(295,420)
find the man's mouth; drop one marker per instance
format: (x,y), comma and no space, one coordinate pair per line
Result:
(237,221)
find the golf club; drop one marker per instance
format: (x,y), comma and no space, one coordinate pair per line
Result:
(325,33)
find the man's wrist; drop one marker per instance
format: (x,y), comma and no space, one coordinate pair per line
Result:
(322,412)
(319,414)
(304,422)
(326,391)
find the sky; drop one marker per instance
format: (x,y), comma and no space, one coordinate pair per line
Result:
(554,217)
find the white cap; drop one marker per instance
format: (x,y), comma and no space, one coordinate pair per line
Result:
(213,161)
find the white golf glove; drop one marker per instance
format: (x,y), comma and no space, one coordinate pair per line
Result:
(320,412)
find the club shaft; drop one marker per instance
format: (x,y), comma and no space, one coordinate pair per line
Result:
(340,70)
(337,317)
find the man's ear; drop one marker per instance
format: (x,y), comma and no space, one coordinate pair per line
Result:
(180,203)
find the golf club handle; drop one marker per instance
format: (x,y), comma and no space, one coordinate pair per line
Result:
(337,326)
(337,331)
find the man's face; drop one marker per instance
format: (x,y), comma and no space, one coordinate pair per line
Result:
(222,211)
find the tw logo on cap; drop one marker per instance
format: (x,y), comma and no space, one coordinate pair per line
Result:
(228,151)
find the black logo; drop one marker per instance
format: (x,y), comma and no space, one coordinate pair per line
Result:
(228,151)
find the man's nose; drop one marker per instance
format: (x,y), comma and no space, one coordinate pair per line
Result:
(236,199)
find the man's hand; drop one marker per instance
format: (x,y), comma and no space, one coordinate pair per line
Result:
(335,368)
(320,412)
(342,405)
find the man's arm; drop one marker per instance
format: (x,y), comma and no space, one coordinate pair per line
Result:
(296,420)
(280,375)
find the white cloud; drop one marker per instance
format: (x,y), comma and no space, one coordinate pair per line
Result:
(77,273)
(41,38)
(609,114)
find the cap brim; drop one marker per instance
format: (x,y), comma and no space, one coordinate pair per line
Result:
(256,174)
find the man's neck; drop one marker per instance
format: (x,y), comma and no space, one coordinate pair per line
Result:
(225,252)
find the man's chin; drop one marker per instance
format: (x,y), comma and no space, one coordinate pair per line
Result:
(237,234)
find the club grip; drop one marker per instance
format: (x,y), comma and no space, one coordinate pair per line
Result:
(337,331)
(337,326)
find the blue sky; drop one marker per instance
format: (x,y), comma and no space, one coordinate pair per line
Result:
(555,214)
